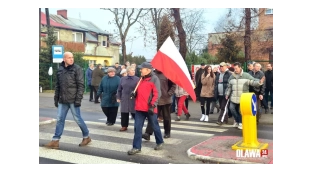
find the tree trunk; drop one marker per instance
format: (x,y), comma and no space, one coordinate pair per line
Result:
(182,36)
(123,49)
(247,41)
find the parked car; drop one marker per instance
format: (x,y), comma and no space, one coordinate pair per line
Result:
(104,69)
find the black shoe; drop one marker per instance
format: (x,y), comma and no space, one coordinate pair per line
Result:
(146,136)
(91,100)
(211,113)
(167,136)
(187,116)
(159,146)
(110,124)
(133,151)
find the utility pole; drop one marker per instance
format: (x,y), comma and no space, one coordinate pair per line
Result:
(50,72)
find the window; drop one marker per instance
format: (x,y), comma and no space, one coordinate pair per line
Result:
(268,11)
(77,37)
(104,43)
(57,35)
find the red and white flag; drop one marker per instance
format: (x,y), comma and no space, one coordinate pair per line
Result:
(169,61)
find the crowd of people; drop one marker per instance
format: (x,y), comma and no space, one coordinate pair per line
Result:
(144,93)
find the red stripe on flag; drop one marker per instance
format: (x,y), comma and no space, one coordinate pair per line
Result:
(172,71)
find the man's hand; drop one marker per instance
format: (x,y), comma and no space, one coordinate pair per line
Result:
(151,109)
(226,97)
(118,100)
(262,80)
(56,104)
(260,97)
(77,104)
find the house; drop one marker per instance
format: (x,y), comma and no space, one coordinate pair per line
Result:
(100,46)
(261,38)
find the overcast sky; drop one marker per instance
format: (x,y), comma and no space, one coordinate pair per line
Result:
(101,18)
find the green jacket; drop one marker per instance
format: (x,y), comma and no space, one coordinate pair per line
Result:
(238,84)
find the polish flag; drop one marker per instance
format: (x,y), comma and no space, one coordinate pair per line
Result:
(169,61)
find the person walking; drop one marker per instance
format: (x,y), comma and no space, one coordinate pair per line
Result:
(69,89)
(181,95)
(167,88)
(126,86)
(97,76)
(146,100)
(258,91)
(239,83)
(108,88)
(207,92)
(89,78)
(221,84)
(269,85)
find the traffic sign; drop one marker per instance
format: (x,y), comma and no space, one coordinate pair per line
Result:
(254,105)
(57,53)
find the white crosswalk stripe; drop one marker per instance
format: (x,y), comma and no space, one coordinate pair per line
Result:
(184,130)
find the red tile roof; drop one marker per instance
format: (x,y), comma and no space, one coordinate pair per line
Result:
(52,23)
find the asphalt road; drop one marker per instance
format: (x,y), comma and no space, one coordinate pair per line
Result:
(110,146)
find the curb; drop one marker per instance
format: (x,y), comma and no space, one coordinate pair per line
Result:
(47,122)
(216,160)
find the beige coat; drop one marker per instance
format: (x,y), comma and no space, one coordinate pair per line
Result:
(208,86)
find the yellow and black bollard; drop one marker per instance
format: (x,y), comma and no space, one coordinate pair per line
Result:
(248,108)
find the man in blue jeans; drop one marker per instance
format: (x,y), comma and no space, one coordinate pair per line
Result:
(69,90)
(269,84)
(146,99)
(239,83)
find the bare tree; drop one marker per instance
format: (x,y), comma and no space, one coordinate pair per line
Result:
(194,25)
(247,41)
(124,19)
(182,35)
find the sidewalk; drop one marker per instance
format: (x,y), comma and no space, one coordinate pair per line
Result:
(218,150)
(46,101)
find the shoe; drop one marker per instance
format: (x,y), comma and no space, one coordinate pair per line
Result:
(235,125)
(53,144)
(134,151)
(240,126)
(187,116)
(206,118)
(123,129)
(202,118)
(96,102)
(85,141)
(159,146)
(146,136)
(109,124)
(91,100)
(210,112)
(266,111)
(178,118)
(219,123)
(167,136)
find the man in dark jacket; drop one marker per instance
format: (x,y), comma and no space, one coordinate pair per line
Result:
(269,84)
(167,88)
(259,91)
(97,75)
(221,83)
(89,78)
(198,80)
(69,90)
(146,100)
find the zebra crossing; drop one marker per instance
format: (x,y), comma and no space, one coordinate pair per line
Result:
(108,140)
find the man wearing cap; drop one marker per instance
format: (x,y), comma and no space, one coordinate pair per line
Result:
(198,79)
(146,100)
(221,83)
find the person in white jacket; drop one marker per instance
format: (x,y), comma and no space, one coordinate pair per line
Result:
(181,95)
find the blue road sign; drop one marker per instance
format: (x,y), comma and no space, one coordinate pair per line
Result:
(57,53)
(254,105)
